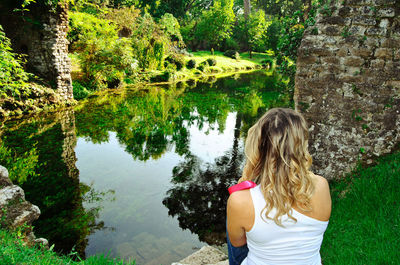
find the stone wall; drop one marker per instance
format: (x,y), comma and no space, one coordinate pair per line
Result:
(41,34)
(348,83)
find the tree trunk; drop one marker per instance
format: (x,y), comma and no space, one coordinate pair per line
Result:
(247,8)
(307,5)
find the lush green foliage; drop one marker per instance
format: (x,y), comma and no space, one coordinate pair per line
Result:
(364,226)
(125,18)
(251,32)
(281,8)
(21,166)
(211,62)
(13,78)
(105,59)
(170,26)
(215,24)
(13,250)
(179,8)
(112,45)
(257,27)
(149,43)
(80,90)
(178,60)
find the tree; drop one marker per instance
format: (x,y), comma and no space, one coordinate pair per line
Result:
(215,24)
(247,8)
(256,28)
(280,7)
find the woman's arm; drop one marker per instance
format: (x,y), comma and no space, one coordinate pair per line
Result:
(240,216)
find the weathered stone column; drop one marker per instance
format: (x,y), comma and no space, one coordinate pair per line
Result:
(41,33)
(348,83)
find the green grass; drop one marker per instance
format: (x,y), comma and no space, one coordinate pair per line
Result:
(12,251)
(223,62)
(364,227)
(225,65)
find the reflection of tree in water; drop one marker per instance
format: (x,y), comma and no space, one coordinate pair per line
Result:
(150,123)
(199,195)
(55,186)
(200,192)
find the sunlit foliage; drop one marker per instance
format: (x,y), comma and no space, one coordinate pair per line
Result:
(13,78)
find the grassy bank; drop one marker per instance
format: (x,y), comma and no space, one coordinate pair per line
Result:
(12,251)
(365,224)
(223,65)
(201,70)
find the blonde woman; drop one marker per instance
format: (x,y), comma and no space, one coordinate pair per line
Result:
(282,220)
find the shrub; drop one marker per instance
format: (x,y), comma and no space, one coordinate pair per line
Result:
(191,64)
(232,54)
(211,62)
(177,59)
(79,90)
(202,65)
(170,26)
(159,52)
(105,58)
(215,23)
(150,43)
(267,62)
(231,44)
(104,63)
(13,78)
(83,25)
(164,77)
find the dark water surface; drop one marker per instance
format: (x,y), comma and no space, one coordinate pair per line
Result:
(141,174)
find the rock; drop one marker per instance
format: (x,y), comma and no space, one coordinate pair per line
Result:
(11,195)
(16,211)
(27,214)
(4,179)
(42,241)
(207,255)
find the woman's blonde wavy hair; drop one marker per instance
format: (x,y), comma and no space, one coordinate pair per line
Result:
(278,160)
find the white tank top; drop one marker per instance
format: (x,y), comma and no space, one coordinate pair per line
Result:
(295,243)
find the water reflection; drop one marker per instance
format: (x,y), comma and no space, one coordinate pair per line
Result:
(55,186)
(198,198)
(199,195)
(178,146)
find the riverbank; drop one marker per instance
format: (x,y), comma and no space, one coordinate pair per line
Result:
(40,98)
(196,66)
(363,228)
(207,67)
(19,244)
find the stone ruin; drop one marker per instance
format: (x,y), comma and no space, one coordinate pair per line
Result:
(348,84)
(41,33)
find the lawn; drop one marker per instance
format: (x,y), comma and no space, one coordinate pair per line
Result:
(364,227)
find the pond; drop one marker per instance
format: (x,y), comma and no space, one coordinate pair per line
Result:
(142,174)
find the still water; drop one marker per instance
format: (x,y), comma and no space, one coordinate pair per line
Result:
(141,175)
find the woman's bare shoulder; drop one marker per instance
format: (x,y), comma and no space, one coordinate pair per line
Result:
(240,209)
(321,199)
(240,198)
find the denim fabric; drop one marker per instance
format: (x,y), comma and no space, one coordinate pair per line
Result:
(236,254)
